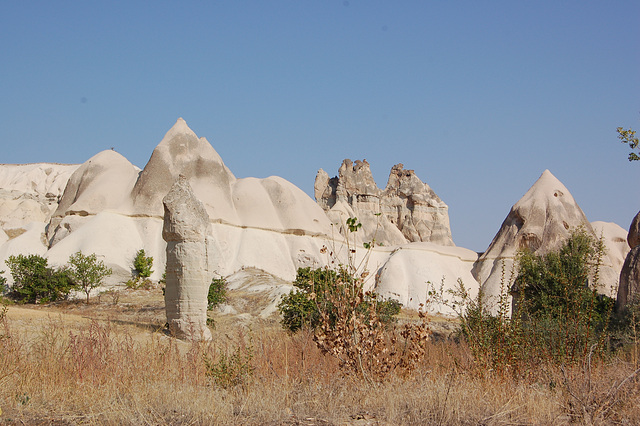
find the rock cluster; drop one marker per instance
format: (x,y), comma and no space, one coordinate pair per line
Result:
(186,226)
(629,288)
(407,210)
(112,208)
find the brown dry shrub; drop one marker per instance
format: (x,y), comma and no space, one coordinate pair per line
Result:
(355,335)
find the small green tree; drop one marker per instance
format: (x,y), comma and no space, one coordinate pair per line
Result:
(629,137)
(217,292)
(142,264)
(87,272)
(34,281)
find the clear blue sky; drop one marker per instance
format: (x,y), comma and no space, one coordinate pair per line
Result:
(478,97)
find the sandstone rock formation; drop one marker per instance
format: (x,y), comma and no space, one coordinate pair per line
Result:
(407,210)
(540,221)
(186,226)
(629,288)
(412,270)
(103,182)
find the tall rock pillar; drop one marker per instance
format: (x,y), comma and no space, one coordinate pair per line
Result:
(186,226)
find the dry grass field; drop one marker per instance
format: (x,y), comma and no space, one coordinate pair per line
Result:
(111,363)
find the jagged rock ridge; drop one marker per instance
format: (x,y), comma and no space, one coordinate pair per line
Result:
(407,210)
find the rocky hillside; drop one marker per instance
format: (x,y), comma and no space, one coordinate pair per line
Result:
(110,207)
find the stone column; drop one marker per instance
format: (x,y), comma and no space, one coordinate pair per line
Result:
(186,226)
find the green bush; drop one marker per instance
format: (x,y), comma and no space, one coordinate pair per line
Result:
(303,306)
(35,282)
(3,283)
(142,264)
(556,298)
(217,292)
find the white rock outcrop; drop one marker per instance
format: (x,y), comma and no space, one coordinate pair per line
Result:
(110,207)
(186,227)
(614,238)
(413,270)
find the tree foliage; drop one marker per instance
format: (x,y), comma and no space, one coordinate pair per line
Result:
(87,272)
(557,297)
(629,137)
(35,282)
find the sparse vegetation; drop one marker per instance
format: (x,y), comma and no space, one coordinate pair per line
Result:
(231,367)
(351,324)
(558,316)
(100,371)
(499,370)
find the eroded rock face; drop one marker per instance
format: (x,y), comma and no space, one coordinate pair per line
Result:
(185,229)
(629,288)
(30,193)
(407,210)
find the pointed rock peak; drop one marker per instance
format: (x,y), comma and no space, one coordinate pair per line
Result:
(547,177)
(547,185)
(180,128)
